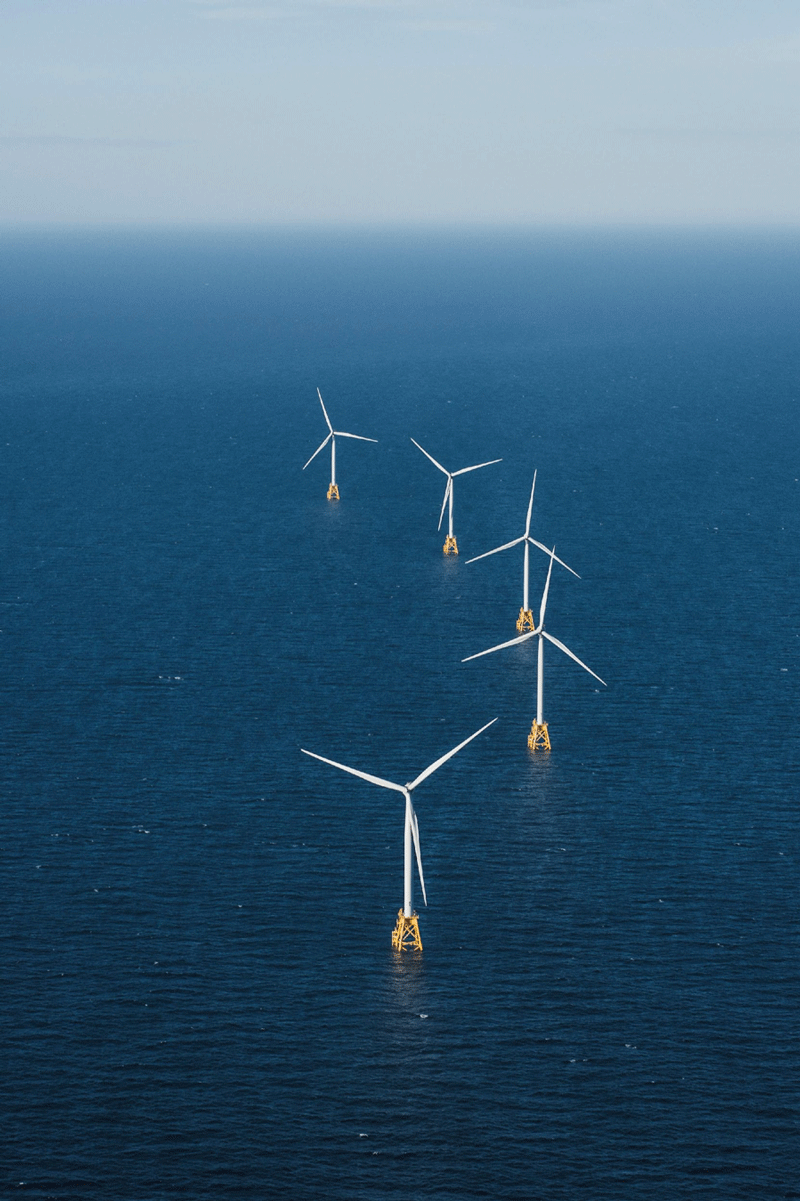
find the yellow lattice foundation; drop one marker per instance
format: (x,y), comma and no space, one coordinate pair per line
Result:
(539,739)
(333,492)
(450,547)
(405,936)
(525,621)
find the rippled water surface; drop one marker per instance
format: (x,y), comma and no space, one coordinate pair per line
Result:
(200,997)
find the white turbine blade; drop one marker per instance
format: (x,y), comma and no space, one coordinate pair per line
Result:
(342,434)
(546,589)
(427,456)
(319,448)
(530,507)
(363,775)
(567,651)
(486,553)
(502,646)
(477,465)
(415,836)
(430,770)
(325,411)
(448,486)
(546,550)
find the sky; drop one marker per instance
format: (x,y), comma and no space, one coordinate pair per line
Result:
(454,112)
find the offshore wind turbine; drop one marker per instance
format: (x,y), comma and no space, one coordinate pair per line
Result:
(333,488)
(539,738)
(406,932)
(450,547)
(525,619)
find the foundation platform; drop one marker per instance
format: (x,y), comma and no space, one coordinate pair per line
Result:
(450,547)
(405,936)
(333,492)
(539,739)
(525,622)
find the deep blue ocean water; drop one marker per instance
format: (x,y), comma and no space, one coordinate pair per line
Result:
(200,998)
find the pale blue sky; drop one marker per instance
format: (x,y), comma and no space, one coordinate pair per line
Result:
(449,111)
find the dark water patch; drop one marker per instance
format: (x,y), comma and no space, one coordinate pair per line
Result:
(199,991)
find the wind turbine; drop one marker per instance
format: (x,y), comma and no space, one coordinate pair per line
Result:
(539,737)
(333,489)
(450,546)
(525,619)
(406,933)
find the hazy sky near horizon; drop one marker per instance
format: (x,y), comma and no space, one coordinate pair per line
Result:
(448,111)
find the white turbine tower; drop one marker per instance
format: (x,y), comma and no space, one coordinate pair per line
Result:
(406,932)
(539,737)
(525,619)
(333,490)
(450,546)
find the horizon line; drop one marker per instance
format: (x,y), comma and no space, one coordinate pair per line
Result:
(377,225)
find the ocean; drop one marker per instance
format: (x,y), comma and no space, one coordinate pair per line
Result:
(200,996)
